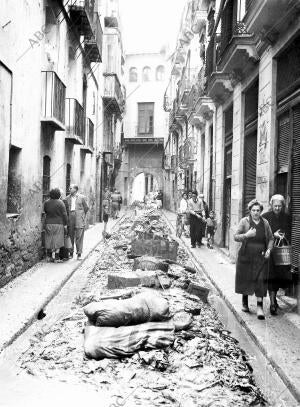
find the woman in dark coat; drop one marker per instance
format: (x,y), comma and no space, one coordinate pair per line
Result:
(280,222)
(252,267)
(55,224)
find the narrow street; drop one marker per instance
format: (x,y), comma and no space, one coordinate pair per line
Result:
(204,365)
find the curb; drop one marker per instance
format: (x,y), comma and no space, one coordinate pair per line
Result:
(290,386)
(53,294)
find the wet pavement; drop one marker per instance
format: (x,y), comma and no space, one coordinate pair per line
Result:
(205,366)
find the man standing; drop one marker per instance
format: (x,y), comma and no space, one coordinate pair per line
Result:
(205,216)
(77,219)
(196,210)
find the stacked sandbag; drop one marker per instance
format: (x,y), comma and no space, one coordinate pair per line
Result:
(144,307)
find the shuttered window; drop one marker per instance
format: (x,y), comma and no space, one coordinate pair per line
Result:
(145,118)
(283,143)
(249,170)
(295,188)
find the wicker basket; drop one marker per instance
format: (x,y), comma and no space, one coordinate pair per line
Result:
(282,253)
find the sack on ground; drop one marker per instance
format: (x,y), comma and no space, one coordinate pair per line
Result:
(108,342)
(144,307)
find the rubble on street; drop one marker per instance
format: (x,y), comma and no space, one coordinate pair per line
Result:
(201,364)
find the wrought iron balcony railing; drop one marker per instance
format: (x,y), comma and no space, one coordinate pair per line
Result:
(113,95)
(53,100)
(81,15)
(93,44)
(75,125)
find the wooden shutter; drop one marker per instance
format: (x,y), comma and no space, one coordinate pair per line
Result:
(295,187)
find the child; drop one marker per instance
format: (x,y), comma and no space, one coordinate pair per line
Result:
(211,226)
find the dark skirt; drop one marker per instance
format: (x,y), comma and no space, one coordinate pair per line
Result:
(278,276)
(54,236)
(251,271)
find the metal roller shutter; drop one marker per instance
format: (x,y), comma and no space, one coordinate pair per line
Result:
(295,189)
(249,170)
(283,143)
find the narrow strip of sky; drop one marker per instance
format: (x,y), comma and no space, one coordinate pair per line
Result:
(149,25)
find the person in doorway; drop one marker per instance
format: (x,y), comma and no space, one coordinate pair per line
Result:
(211,226)
(256,236)
(77,219)
(159,199)
(55,224)
(280,223)
(197,214)
(115,204)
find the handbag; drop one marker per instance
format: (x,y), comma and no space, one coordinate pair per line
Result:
(282,252)
(68,243)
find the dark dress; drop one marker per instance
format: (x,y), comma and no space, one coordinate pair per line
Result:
(279,276)
(251,266)
(64,252)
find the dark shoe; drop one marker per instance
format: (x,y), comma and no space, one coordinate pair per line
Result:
(259,311)
(78,256)
(245,307)
(273,309)
(193,246)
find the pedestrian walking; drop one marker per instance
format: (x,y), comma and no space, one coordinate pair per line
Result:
(77,219)
(280,223)
(256,236)
(196,210)
(114,204)
(120,200)
(159,199)
(211,226)
(205,216)
(55,224)
(105,217)
(64,253)
(183,212)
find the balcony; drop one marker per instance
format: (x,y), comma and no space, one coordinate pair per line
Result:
(81,16)
(199,21)
(204,108)
(181,159)
(88,146)
(117,155)
(113,95)
(74,121)
(269,18)
(190,150)
(237,50)
(174,163)
(93,44)
(53,101)
(219,86)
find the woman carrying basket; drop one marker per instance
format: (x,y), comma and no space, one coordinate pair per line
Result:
(256,237)
(280,222)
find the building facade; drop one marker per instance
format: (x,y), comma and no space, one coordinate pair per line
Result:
(245,109)
(145,125)
(51,116)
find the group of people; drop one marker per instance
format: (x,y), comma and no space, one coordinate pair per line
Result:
(64,222)
(256,270)
(198,218)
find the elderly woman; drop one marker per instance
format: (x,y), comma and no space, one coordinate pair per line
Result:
(280,223)
(256,236)
(56,221)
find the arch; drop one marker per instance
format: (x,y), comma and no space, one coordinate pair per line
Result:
(144,181)
(133,76)
(146,73)
(160,73)
(46,176)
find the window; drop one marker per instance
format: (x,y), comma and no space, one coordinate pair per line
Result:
(160,73)
(133,75)
(145,118)
(46,177)
(14,181)
(146,74)
(68,178)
